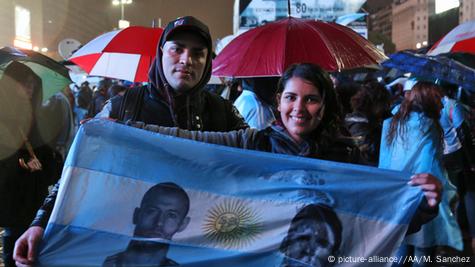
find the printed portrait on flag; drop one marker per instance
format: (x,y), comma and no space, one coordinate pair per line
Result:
(314,235)
(162,213)
(132,197)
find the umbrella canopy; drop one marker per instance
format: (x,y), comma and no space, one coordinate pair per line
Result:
(269,49)
(465,58)
(54,76)
(123,54)
(459,39)
(434,68)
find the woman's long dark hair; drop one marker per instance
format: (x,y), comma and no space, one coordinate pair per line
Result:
(424,97)
(372,100)
(321,80)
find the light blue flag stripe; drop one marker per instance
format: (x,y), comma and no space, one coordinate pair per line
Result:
(111,166)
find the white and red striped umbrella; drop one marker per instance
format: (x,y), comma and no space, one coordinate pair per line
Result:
(123,54)
(459,39)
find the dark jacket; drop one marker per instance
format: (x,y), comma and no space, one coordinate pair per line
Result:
(21,191)
(197,110)
(367,136)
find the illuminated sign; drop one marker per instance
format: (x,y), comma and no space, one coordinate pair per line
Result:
(22,28)
(258,12)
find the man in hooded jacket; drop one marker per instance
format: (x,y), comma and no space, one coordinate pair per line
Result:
(174,97)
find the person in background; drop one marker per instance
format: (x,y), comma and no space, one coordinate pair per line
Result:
(458,158)
(412,141)
(99,98)
(83,100)
(345,92)
(370,107)
(256,102)
(232,89)
(27,161)
(116,89)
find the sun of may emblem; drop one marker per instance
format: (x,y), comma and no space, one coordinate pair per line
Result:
(232,224)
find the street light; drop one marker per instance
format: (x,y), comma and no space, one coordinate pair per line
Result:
(122,22)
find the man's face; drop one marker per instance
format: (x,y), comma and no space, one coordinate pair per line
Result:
(310,242)
(162,216)
(184,60)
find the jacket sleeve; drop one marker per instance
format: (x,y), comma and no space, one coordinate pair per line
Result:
(43,214)
(468,145)
(244,138)
(423,215)
(234,118)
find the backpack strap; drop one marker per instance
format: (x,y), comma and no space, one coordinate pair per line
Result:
(128,107)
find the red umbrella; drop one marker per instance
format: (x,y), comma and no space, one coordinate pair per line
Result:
(459,39)
(268,50)
(123,54)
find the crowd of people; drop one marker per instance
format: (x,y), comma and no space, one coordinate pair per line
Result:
(425,130)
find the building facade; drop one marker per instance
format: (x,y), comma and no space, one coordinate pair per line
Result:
(381,21)
(410,28)
(466,11)
(21,22)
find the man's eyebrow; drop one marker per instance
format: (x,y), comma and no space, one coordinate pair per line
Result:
(182,44)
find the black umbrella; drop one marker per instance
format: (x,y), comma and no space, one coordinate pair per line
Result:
(54,76)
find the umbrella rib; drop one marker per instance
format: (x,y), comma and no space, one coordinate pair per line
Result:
(284,55)
(325,42)
(343,28)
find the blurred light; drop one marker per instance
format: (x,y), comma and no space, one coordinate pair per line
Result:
(36,48)
(424,43)
(22,23)
(418,45)
(44,49)
(22,44)
(116,2)
(123,24)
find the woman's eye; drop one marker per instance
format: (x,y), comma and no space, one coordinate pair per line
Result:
(313,100)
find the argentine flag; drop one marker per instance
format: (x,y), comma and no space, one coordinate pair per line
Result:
(129,197)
